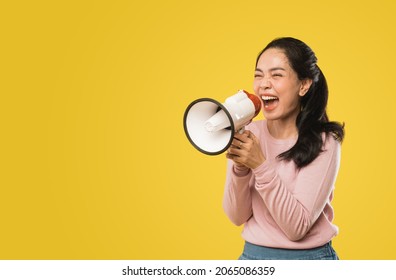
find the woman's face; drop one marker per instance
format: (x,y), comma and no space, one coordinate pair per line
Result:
(278,86)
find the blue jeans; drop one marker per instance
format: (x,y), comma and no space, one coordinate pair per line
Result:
(255,252)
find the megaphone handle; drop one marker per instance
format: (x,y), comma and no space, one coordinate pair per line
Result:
(241,130)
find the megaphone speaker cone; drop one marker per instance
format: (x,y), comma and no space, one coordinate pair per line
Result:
(208,126)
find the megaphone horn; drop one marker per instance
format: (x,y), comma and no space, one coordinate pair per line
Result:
(210,126)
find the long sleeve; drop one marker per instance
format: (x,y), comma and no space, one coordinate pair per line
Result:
(237,201)
(296,208)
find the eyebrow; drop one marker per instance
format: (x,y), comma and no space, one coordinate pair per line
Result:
(272,69)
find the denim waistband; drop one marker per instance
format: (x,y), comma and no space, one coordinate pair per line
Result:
(256,252)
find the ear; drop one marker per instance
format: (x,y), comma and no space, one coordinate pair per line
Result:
(305,85)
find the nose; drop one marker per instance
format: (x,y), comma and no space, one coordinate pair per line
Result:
(265,83)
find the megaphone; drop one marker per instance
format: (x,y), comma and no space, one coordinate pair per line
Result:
(210,126)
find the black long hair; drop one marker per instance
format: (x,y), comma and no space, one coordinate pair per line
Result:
(312,121)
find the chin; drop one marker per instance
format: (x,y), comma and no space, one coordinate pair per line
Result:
(271,116)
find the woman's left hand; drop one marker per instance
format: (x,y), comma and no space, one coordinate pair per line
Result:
(246,150)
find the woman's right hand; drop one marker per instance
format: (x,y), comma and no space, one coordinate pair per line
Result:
(245,150)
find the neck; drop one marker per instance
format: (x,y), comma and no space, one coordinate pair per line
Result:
(282,129)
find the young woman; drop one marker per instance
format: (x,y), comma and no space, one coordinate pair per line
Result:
(281,170)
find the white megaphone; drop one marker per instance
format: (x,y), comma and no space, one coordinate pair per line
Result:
(210,126)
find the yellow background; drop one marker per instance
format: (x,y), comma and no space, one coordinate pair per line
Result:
(94,160)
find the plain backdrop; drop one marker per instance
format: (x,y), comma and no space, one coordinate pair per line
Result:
(94,160)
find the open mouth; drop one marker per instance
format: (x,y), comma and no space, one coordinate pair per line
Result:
(270,102)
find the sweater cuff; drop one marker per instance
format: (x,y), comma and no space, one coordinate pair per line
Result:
(240,171)
(264,174)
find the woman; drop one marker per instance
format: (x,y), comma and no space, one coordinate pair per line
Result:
(281,170)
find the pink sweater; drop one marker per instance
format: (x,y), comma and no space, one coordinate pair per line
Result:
(281,206)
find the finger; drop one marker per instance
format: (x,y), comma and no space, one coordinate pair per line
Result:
(244,137)
(236,143)
(232,157)
(247,133)
(240,139)
(234,151)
